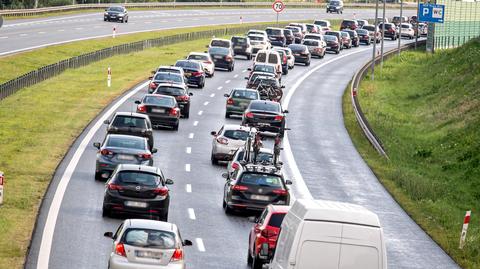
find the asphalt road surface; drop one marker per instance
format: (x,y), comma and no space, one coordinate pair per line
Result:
(28,34)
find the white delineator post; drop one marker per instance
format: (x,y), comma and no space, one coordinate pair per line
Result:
(2,182)
(241,20)
(109,77)
(466,221)
(114,32)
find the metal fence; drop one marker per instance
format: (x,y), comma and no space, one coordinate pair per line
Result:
(49,71)
(462,23)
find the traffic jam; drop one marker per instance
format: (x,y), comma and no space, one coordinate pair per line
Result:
(250,151)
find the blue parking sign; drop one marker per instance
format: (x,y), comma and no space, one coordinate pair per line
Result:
(431,13)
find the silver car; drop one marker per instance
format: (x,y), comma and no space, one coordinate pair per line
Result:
(227,140)
(147,244)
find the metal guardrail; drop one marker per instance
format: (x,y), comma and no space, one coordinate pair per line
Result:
(354,88)
(39,11)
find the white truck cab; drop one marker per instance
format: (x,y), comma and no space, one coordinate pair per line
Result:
(329,235)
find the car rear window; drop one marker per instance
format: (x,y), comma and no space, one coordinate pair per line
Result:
(137,178)
(361,31)
(369,27)
(170,91)
(256,38)
(264,157)
(351,33)
(276,220)
(243,94)
(348,23)
(272,58)
(297,48)
(264,68)
(149,238)
(126,142)
(261,57)
(129,121)
(220,43)
(236,134)
(171,77)
(266,106)
(405,26)
(158,101)
(287,32)
(310,42)
(239,40)
(330,38)
(198,57)
(266,180)
(188,64)
(315,37)
(273,31)
(345,34)
(321,23)
(294,29)
(218,50)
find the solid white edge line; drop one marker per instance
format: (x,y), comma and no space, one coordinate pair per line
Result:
(191,214)
(49,228)
(300,186)
(200,245)
(188,188)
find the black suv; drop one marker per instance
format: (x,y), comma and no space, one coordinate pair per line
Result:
(181,94)
(265,116)
(241,46)
(129,123)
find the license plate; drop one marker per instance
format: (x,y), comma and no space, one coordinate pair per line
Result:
(125,157)
(188,74)
(238,47)
(296,54)
(218,57)
(148,254)
(260,197)
(136,204)
(157,110)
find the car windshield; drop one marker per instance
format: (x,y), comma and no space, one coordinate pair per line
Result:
(310,42)
(220,43)
(147,238)
(137,178)
(334,3)
(266,180)
(159,101)
(129,121)
(126,142)
(188,64)
(116,9)
(244,94)
(264,68)
(236,134)
(265,106)
(239,40)
(330,38)
(276,220)
(296,48)
(198,57)
(170,91)
(273,31)
(171,77)
(218,50)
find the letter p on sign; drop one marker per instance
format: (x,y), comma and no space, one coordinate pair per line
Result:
(425,11)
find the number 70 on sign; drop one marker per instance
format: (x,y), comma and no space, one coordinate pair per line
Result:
(278,6)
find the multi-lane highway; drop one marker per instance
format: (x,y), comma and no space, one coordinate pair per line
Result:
(319,156)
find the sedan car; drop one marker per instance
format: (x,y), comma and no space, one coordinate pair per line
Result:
(242,46)
(227,140)
(364,36)
(138,190)
(276,36)
(374,32)
(266,116)
(301,53)
(220,42)
(332,44)
(222,57)
(169,69)
(116,14)
(259,42)
(390,30)
(315,47)
(238,100)
(180,94)
(121,149)
(361,23)
(338,35)
(346,40)
(348,24)
(193,72)
(354,37)
(129,123)
(162,109)
(313,28)
(166,77)
(205,60)
(147,244)
(289,36)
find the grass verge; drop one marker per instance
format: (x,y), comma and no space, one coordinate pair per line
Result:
(426,110)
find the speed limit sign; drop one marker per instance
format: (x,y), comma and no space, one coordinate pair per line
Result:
(278,6)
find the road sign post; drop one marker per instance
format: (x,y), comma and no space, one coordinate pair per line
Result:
(278,6)
(431,13)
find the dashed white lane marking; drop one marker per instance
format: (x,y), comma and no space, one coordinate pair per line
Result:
(41,33)
(148,22)
(236,76)
(23,34)
(61,30)
(188,188)
(200,245)
(187,167)
(191,214)
(195,123)
(191,135)
(188,150)
(200,112)
(206,103)
(3,37)
(164,21)
(79,28)
(212,95)
(245,70)
(228,81)
(219,88)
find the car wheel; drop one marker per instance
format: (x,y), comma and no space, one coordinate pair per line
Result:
(98,176)
(307,63)
(249,257)
(256,263)
(104,19)
(106,212)
(214,160)
(175,127)
(227,209)
(227,115)
(164,217)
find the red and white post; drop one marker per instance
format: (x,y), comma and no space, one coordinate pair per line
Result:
(114,33)
(109,77)
(466,221)
(2,182)
(241,20)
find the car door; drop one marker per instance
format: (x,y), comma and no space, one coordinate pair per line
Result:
(256,229)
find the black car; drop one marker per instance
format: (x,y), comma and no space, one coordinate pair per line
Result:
(335,6)
(139,190)
(332,43)
(390,30)
(180,94)
(266,116)
(165,77)
(301,53)
(349,24)
(130,123)
(338,35)
(289,37)
(276,36)
(162,109)
(364,36)
(193,71)
(354,37)
(241,46)
(116,14)
(222,57)
(297,33)
(253,187)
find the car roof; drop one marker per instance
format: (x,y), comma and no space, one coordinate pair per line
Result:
(220,39)
(166,72)
(236,127)
(269,64)
(278,208)
(126,136)
(244,89)
(151,224)
(274,28)
(159,95)
(265,74)
(170,67)
(265,102)
(136,167)
(256,30)
(171,85)
(199,53)
(133,114)
(313,34)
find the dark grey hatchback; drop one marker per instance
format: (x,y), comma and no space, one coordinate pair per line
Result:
(130,123)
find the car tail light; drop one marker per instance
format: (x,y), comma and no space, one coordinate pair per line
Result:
(268,233)
(278,118)
(229,101)
(391,30)
(183,98)
(197,74)
(222,140)
(177,255)
(161,191)
(174,111)
(280,192)
(152,85)
(145,155)
(284,59)
(141,109)
(249,115)
(235,166)
(120,250)
(228,58)
(114,187)
(239,188)
(106,152)
(208,62)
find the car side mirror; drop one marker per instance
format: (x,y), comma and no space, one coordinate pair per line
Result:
(285,111)
(187,243)
(190,94)
(154,150)
(213,133)
(97,145)
(106,122)
(283,87)
(288,182)
(106,9)
(226,95)
(108,234)
(153,72)
(245,77)
(169,181)
(150,78)
(137,102)
(225,175)
(207,46)
(253,219)
(249,69)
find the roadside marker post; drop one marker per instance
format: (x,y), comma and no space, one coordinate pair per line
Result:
(463,235)
(2,182)
(114,32)
(109,77)
(241,20)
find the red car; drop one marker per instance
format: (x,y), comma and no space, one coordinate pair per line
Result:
(265,230)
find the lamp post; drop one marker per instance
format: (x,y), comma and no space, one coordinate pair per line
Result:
(375,40)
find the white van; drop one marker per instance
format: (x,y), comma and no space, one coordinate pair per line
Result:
(269,57)
(329,235)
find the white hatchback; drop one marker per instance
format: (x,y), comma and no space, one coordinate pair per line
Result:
(227,140)
(206,60)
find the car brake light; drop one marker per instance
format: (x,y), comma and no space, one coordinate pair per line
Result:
(174,111)
(152,85)
(197,74)
(161,191)
(278,118)
(280,192)
(183,98)
(106,152)
(114,187)
(222,140)
(120,250)
(141,109)
(249,115)
(177,255)
(228,58)
(230,101)
(284,59)
(235,166)
(145,155)
(208,62)
(239,188)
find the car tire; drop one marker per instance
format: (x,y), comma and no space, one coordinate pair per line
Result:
(227,115)
(256,263)
(106,212)
(214,160)
(227,209)
(164,217)
(104,19)
(337,52)
(307,63)
(175,127)
(249,257)
(98,176)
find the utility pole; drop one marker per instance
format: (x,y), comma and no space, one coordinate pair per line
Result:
(400,28)
(375,40)
(382,34)
(416,24)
